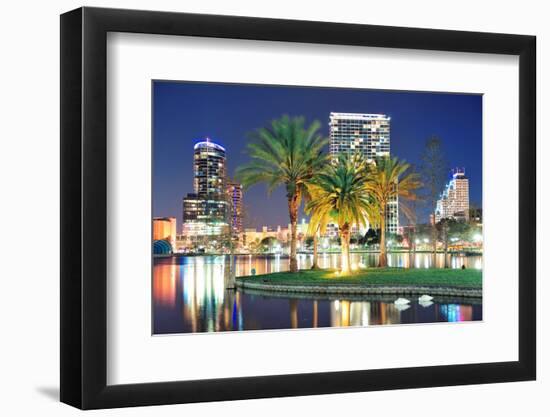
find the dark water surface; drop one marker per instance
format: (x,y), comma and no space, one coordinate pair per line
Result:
(190,295)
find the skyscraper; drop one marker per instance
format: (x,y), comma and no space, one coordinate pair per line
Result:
(235,196)
(369,135)
(455,198)
(205,212)
(209,169)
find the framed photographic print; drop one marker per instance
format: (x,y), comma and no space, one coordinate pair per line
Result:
(257,208)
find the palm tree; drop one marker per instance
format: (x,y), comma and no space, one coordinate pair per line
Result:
(317,223)
(339,191)
(286,153)
(388,179)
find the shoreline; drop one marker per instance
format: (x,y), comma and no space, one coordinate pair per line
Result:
(396,281)
(361,290)
(284,256)
(385,297)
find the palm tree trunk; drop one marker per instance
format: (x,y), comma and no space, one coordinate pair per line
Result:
(315,252)
(345,237)
(293,212)
(382,261)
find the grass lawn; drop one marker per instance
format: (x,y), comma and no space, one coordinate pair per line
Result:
(463,278)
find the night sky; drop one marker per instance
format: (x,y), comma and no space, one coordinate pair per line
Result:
(184,113)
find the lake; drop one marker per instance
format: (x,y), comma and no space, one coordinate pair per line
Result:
(194,294)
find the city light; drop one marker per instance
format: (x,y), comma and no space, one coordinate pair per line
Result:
(224,260)
(454,201)
(207,143)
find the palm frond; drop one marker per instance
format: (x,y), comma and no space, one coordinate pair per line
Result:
(338,193)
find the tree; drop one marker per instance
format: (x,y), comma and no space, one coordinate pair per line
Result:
(340,195)
(475,214)
(394,237)
(268,243)
(286,153)
(255,246)
(309,242)
(372,237)
(318,222)
(389,178)
(410,231)
(452,229)
(443,228)
(434,173)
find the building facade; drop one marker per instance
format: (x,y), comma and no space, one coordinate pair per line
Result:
(210,170)
(369,135)
(235,198)
(164,229)
(454,202)
(206,210)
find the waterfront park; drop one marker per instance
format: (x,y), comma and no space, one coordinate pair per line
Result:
(289,222)
(350,191)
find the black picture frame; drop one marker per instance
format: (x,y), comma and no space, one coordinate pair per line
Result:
(84,207)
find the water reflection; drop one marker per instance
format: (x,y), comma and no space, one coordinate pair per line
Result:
(276,263)
(195,294)
(164,284)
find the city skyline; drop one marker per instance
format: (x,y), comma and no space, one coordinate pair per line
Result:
(218,108)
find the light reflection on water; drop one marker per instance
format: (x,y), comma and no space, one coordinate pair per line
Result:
(190,295)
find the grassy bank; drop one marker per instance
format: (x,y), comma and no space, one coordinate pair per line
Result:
(457,278)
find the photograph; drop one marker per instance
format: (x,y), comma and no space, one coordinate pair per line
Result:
(286,207)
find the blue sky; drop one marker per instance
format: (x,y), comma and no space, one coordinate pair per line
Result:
(186,112)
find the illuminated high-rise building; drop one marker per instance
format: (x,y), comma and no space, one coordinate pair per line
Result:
(205,212)
(209,166)
(368,135)
(455,199)
(235,197)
